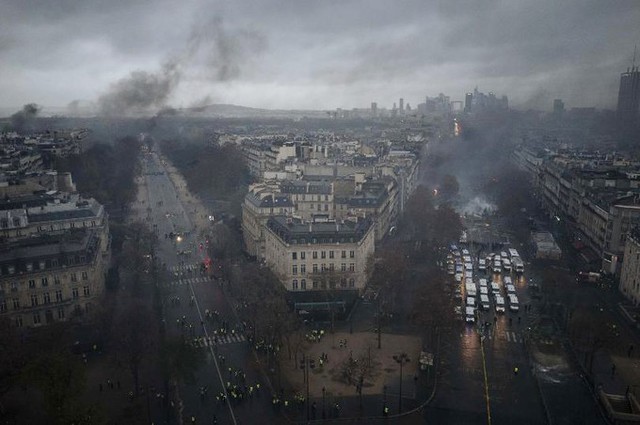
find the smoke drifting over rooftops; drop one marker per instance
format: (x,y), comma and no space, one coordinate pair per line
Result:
(212,53)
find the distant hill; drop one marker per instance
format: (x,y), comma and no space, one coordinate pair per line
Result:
(236,111)
(87,109)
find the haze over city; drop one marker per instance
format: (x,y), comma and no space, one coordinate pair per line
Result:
(305,212)
(312,55)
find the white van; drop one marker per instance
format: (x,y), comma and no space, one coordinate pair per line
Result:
(484,290)
(470,289)
(495,288)
(471,315)
(507,280)
(471,302)
(483,282)
(514,305)
(484,302)
(497,266)
(513,253)
(506,265)
(482,264)
(511,289)
(468,266)
(518,265)
(503,255)
(499,304)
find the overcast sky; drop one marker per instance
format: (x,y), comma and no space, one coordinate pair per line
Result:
(313,54)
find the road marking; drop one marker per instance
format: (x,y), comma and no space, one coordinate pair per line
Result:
(486,383)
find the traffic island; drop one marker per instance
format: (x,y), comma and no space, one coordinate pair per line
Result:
(350,374)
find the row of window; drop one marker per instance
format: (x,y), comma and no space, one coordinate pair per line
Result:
(46,298)
(49,264)
(323,254)
(295,285)
(48,316)
(323,267)
(44,281)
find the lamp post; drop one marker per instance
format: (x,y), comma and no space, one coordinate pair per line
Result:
(385,409)
(306,364)
(401,359)
(324,390)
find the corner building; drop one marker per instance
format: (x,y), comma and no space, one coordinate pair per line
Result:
(317,256)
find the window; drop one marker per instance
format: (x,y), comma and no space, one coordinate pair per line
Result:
(85,276)
(14,286)
(74,293)
(303,284)
(56,280)
(61,313)
(352,254)
(45,281)
(87,307)
(331,254)
(314,284)
(54,263)
(42,264)
(32,283)
(3,305)
(332,284)
(34,300)
(315,268)
(29,267)
(46,298)
(352,267)
(343,267)
(58,296)
(85,290)
(16,303)
(352,283)
(36,318)
(18,322)
(303,268)
(331,267)
(315,255)
(323,267)
(323,254)
(302,255)
(343,254)
(294,255)
(326,207)
(295,284)
(294,269)
(343,282)
(74,277)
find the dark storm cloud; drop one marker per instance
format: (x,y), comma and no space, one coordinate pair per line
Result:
(319,53)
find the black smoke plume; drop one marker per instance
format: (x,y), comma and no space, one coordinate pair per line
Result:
(220,51)
(23,121)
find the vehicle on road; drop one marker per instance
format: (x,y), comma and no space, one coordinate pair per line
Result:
(499,304)
(484,302)
(514,304)
(471,314)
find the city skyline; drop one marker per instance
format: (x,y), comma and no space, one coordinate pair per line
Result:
(133,56)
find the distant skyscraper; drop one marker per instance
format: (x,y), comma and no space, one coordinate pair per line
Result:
(401,105)
(374,109)
(558,107)
(468,98)
(629,95)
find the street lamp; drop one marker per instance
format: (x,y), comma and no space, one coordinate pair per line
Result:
(401,359)
(306,364)
(324,390)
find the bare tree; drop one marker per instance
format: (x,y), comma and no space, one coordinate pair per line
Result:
(137,338)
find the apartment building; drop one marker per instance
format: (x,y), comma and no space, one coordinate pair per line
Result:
(316,256)
(53,277)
